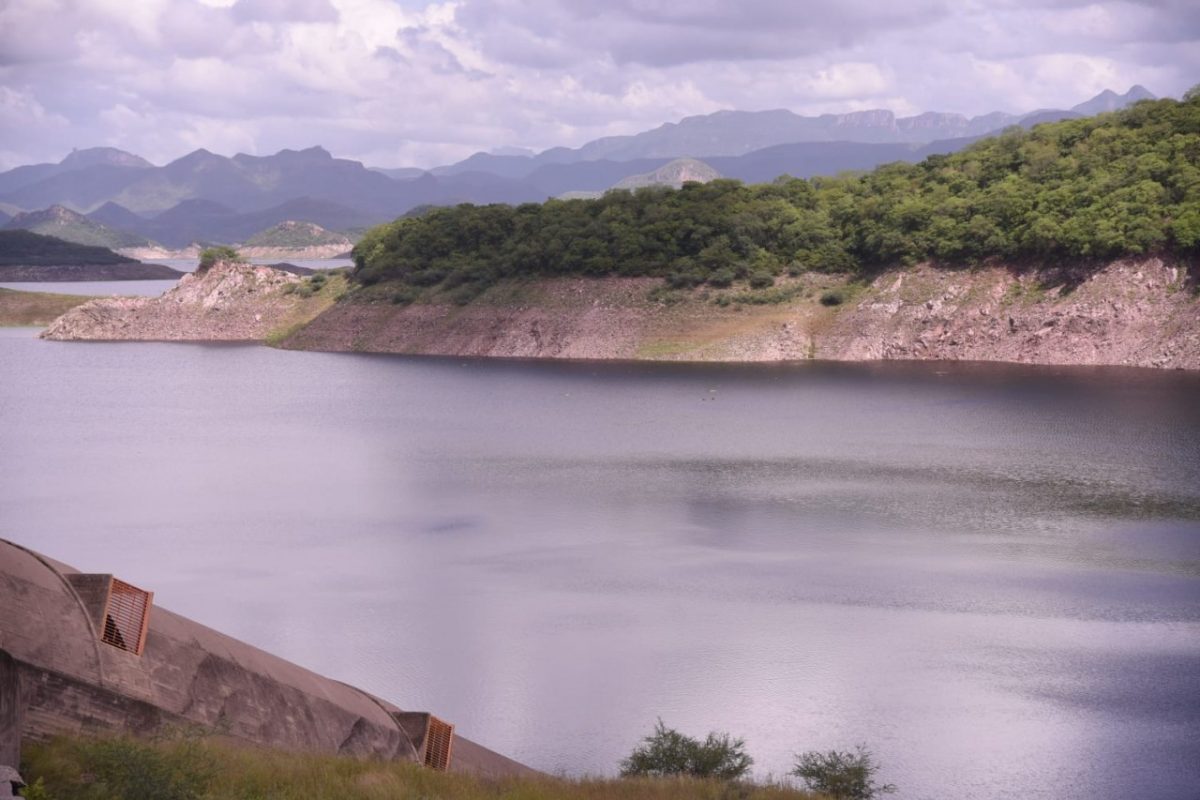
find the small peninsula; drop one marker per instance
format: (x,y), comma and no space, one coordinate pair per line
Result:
(26,256)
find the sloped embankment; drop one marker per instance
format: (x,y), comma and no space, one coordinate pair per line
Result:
(228,302)
(1138,312)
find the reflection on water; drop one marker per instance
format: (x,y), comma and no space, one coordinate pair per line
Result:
(989,574)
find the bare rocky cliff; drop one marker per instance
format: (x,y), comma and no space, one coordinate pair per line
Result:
(229,302)
(1137,312)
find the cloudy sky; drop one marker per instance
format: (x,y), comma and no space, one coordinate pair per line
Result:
(407,82)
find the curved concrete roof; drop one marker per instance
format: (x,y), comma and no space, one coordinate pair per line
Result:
(187,670)
(187,673)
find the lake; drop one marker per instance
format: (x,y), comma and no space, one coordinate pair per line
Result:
(152,288)
(988,574)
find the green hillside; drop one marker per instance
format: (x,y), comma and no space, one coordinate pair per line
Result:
(63,223)
(1083,189)
(296,234)
(25,248)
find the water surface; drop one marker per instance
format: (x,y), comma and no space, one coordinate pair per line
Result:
(156,287)
(990,575)
(94,288)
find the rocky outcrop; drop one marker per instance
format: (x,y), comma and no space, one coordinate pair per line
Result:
(1138,312)
(229,302)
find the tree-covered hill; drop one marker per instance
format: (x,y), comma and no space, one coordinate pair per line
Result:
(25,248)
(1116,184)
(70,226)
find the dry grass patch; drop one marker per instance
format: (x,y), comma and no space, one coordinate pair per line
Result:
(35,309)
(190,768)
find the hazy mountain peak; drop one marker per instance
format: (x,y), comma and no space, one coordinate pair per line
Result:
(197,157)
(510,150)
(314,153)
(111,156)
(1108,100)
(55,213)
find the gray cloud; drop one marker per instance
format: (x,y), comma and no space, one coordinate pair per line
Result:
(663,33)
(403,83)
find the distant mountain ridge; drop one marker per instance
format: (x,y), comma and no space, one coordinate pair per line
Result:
(208,198)
(732,133)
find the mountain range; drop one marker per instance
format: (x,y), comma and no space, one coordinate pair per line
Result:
(204,197)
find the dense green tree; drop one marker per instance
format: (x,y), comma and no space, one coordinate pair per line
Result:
(842,775)
(1122,183)
(667,752)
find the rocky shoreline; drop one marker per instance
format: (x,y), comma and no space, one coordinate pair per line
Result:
(1141,312)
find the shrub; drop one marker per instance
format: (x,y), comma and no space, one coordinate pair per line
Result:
(211,255)
(101,769)
(684,280)
(762,280)
(404,296)
(669,752)
(722,278)
(832,298)
(841,774)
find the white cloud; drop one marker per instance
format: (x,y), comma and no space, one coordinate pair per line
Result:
(396,84)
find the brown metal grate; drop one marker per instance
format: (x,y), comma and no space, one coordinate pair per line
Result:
(439,740)
(127,616)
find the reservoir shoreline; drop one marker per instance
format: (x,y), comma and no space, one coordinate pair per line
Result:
(1141,312)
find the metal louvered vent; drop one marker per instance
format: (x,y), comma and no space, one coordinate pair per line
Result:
(439,739)
(126,616)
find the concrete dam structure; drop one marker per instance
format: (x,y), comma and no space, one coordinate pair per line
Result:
(90,654)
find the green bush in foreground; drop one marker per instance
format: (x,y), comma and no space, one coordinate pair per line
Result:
(840,774)
(669,752)
(211,255)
